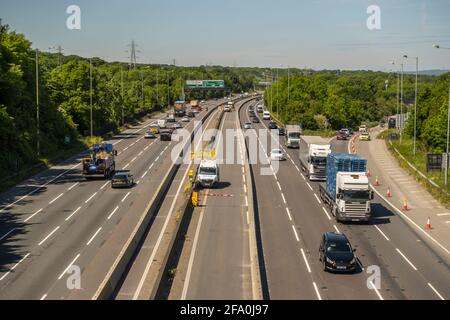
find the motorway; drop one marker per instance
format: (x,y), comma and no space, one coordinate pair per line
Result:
(292,219)
(58,220)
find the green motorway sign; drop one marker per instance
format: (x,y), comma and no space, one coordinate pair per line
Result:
(205,83)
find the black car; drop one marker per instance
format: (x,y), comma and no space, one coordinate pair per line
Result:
(272,125)
(255,120)
(281,131)
(191,114)
(122,179)
(336,253)
(165,135)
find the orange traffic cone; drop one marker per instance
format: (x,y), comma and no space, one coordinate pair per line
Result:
(377,183)
(388,192)
(368,172)
(405,205)
(428,225)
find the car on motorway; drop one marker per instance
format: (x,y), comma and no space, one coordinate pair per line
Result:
(272,125)
(362,128)
(350,131)
(277,155)
(341,136)
(154,127)
(364,136)
(266,115)
(259,109)
(177,125)
(185,119)
(149,135)
(122,179)
(255,120)
(281,131)
(247,125)
(345,131)
(165,135)
(336,253)
(191,114)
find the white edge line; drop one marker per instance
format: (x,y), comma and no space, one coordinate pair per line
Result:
(317,291)
(435,291)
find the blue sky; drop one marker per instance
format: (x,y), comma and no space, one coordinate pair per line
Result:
(316,34)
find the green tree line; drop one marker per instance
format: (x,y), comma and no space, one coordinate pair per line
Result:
(64,97)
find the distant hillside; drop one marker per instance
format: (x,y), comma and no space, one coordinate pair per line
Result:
(433,72)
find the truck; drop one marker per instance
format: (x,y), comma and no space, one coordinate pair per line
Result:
(180,108)
(313,154)
(100,162)
(346,191)
(293,133)
(161,123)
(208,173)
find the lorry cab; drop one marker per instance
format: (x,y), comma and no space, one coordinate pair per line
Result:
(317,161)
(353,196)
(208,173)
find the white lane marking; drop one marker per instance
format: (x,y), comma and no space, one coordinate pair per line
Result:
(317,291)
(144,174)
(245,188)
(95,193)
(132,144)
(43,297)
(407,260)
(65,270)
(303,176)
(318,200)
(279,185)
(140,153)
(284,199)
(157,158)
(151,166)
(248,218)
(306,260)
(146,147)
(336,228)
(14,266)
(246,200)
(326,212)
(7,234)
(112,213)
(76,210)
(137,182)
(376,291)
(132,160)
(92,238)
(289,214)
(443,214)
(104,185)
(123,199)
(26,220)
(117,142)
(295,232)
(72,186)
(309,186)
(39,187)
(125,148)
(296,167)
(56,198)
(435,291)
(126,166)
(48,236)
(382,233)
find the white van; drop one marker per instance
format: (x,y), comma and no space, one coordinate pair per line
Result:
(259,109)
(162,123)
(208,173)
(266,115)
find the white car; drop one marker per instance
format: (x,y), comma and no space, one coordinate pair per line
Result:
(185,119)
(247,125)
(277,155)
(266,115)
(177,125)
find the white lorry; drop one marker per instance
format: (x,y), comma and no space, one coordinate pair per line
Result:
(208,173)
(347,192)
(313,156)
(161,123)
(293,133)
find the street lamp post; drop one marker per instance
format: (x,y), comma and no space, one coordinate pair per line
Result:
(90,91)
(37,103)
(121,91)
(448,123)
(415,100)
(401,103)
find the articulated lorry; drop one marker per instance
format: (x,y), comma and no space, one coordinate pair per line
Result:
(293,133)
(101,161)
(179,108)
(346,191)
(313,156)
